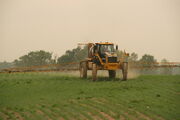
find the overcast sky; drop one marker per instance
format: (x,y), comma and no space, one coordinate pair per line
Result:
(141,26)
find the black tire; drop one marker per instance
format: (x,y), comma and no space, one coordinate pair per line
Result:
(112,73)
(125,70)
(94,72)
(83,70)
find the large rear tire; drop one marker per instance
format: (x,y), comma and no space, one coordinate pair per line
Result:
(83,70)
(94,72)
(112,73)
(125,70)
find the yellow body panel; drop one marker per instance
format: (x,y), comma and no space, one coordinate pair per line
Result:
(111,66)
(108,66)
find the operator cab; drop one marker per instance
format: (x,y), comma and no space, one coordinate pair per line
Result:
(103,49)
(106,49)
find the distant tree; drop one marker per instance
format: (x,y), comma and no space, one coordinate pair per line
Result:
(81,54)
(133,57)
(74,55)
(34,58)
(133,60)
(147,60)
(164,61)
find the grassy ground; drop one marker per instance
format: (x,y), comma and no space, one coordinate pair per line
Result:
(51,96)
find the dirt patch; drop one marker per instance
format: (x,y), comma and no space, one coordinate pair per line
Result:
(133,74)
(160,118)
(102,103)
(143,116)
(82,117)
(91,114)
(95,117)
(29,115)
(122,117)
(60,118)
(18,116)
(39,112)
(43,114)
(4,116)
(140,115)
(107,116)
(130,116)
(103,113)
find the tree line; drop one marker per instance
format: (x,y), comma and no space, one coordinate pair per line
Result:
(41,57)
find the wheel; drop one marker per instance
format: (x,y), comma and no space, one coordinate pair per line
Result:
(83,70)
(112,73)
(94,72)
(125,70)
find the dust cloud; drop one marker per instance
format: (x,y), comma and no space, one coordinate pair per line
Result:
(132,73)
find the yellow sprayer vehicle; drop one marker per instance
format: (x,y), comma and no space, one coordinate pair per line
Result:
(102,56)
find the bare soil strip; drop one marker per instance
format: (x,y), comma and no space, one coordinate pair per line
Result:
(143,116)
(94,116)
(122,117)
(107,116)
(4,116)
(43,114)
(104,114)
(16,114)
(140,115)
(130,116)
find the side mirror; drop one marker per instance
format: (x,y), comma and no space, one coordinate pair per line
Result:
(116,47)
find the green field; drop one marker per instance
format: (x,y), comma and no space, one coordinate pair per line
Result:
(54,96)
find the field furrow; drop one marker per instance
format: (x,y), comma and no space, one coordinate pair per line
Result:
(53,96)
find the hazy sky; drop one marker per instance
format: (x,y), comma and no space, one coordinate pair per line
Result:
(141,26)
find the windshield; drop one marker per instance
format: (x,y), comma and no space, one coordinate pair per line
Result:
(107,48)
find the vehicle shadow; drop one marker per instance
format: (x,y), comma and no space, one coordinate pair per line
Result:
(102,79)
